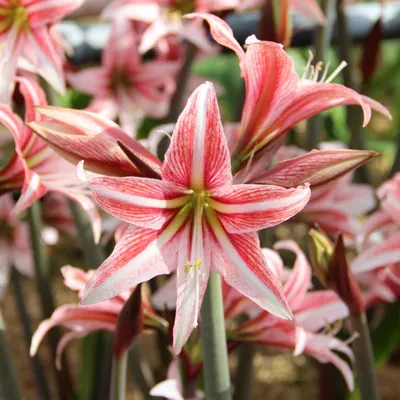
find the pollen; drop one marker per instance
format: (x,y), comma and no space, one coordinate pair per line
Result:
(195,265)
(14,14)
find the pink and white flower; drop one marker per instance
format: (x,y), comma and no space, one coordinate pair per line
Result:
(193,220)
(26,40)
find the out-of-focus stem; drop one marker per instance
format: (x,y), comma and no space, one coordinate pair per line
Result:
(322,41)
(9,386)
(354,113)
(118,377)
(365,364)
(396,163)
(46,298)
(141,372)
(37,366)
(181,84)
(244,372)
(215,354)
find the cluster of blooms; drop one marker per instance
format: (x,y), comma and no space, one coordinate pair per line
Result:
(200,209)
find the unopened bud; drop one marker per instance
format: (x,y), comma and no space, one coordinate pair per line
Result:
(342,280)
(320,251)
(130,323)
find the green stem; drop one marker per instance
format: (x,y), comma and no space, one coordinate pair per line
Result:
(215,354)
(244,372)
(141,372)
(118,377)
(396,163)
(8,376)
(46,298)
(322,39)
(354,113)
(365,364)
(37,366)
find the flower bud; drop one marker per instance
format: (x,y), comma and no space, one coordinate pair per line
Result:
(342,280)
(130,323)
(320,251)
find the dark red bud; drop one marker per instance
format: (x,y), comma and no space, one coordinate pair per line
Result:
(130,322)
(342,280)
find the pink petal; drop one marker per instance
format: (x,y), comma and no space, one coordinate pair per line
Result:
(317,167)
(299,280)
(244,267)
(310,9)
(141,11)
(198,156)
(379,255)
(138,256)
(144,202)
(93,81)
(168,389)
(220,31)
(248,208)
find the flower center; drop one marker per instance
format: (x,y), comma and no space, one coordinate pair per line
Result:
(119,79)
(14,14)
(183,6)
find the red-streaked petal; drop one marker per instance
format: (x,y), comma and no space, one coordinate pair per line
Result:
(318,167)
(319,308)
(248,208)
(244,268)
(198,156)
(220,31)
(380,255)
(138,256)
(299,280)
(191,285)
(144,202)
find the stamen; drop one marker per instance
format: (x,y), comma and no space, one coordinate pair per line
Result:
(318,67)
(333,75)
(195,265)
(307,67)
(323,77)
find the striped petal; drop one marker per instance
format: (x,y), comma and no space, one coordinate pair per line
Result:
(383,254)
(248,208)
(138,256)
(198,156)
(318,167)
(239,259)
(144,202)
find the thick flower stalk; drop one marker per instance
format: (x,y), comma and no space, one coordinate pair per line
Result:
(35,169)
(124,87)
(193,221)
(14,244)
(277,98)
(27,41)
(312,310)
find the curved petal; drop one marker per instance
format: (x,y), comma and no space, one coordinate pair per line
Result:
(248,208)
(317,167)
(138,256)
(198,156)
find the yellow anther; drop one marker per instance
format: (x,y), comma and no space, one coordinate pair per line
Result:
(195,265)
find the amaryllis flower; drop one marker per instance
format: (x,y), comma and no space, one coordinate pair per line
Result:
(164,19)
(82,320)
(26,40)
(14,244)
(172,387)
(124,86)
(277,98)
(35,168)
(193,221)
(312,310)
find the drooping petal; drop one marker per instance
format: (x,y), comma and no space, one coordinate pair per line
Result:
(380,255)
(198,156)
(168,389)
(296,286)
(310,9)
(148,203)
(220,31)
(317,167)
(248,208)
(138,256)
(243,266)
